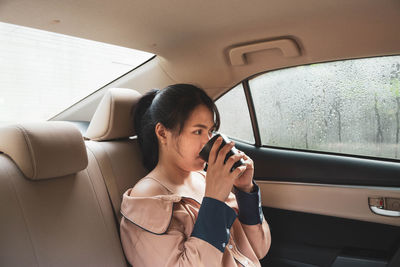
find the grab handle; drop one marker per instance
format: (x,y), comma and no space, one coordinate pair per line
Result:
(385,206)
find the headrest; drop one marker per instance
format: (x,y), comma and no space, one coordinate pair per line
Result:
(113,117)
(44,150)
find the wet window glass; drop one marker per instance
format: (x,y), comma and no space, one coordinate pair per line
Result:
(349,107)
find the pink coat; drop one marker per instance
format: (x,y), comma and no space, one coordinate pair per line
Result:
(156,231)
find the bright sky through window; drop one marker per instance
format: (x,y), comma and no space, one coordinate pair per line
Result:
(43,73)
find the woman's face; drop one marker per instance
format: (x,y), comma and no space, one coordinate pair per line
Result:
(186,147)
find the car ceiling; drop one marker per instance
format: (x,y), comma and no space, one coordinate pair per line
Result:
(192,38)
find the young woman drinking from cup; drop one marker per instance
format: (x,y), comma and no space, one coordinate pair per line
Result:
(179,215)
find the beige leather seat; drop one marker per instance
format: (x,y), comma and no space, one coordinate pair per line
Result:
(110,140)
(54,205)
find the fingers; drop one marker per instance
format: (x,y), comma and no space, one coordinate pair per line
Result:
(245,156)
(247,160)
(232,160)
(239,171)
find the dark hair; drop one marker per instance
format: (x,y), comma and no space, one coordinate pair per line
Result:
(170,106)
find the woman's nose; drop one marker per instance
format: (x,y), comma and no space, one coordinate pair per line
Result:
(206,138)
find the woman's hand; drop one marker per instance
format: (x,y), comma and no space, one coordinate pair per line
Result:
(219,178)
(245,181)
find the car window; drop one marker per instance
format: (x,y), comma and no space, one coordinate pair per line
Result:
(235,118)
(349,107)
(43,73)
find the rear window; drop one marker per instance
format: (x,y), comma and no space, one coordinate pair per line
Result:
(43,73)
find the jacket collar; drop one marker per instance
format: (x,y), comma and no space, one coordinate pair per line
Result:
(150,213)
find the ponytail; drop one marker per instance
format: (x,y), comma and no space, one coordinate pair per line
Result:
(170,106)
(144,125)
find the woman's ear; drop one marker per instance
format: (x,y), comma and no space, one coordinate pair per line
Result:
(161,133)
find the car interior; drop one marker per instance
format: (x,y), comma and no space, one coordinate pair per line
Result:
(62,179)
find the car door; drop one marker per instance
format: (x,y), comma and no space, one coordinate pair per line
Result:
(325,143)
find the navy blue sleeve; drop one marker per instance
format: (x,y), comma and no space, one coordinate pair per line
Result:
(250,208)
(214,222)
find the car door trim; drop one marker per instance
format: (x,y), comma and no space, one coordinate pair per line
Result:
(342,201)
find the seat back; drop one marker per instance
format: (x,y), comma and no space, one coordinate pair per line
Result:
(110,137)
(54,205)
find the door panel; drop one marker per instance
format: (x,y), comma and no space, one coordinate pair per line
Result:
(339,201)
(317,207)
(319,240)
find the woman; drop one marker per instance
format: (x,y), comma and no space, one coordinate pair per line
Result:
(178,215)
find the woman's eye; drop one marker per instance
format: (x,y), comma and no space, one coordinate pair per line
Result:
(197,132)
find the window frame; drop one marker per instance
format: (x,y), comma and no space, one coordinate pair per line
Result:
(249,103)
(254,121)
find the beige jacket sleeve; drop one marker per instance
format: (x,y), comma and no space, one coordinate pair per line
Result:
(259,237)
(143,248)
